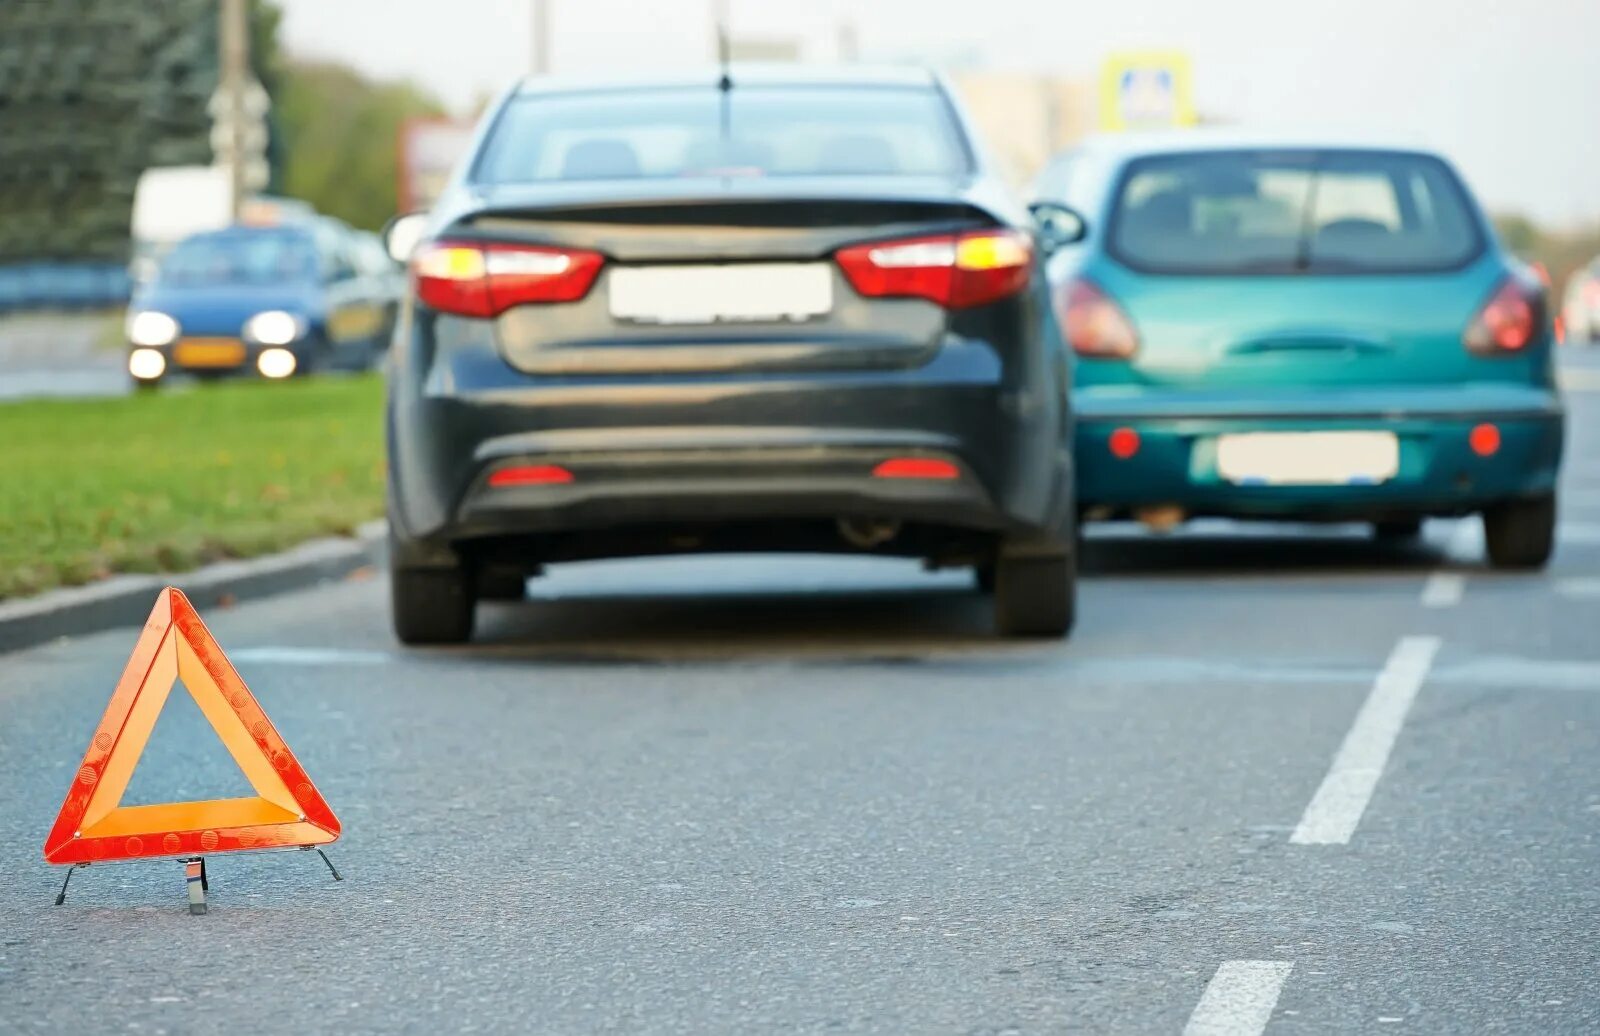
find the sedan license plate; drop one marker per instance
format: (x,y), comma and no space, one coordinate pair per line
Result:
(1308,458)
(208,352)
(733,293)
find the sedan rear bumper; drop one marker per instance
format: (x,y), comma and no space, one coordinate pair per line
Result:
(1175,462)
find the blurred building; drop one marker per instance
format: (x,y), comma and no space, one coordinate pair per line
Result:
(1025,119)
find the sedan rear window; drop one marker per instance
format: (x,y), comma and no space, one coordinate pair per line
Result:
(1293,212)
(679,132)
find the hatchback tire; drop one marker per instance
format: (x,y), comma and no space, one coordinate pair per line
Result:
(1521,533)
(1035,595)
(431,606)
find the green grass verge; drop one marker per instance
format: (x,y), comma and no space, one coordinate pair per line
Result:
(166,481)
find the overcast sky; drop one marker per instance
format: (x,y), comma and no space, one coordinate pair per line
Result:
(1510,90)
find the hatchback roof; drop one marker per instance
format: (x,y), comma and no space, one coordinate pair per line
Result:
(740,73)
(1122,145)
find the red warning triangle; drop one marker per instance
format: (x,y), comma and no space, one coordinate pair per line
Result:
(286,812)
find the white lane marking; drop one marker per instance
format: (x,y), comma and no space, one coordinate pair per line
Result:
(1578,379)
(1584,533)
(1444,589)
(1572,498)
(308,656)
(1336,809)
(1465,545)
(1583,587)
(1239,999)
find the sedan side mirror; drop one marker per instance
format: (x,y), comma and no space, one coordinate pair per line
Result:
(1058,224)
(402,234)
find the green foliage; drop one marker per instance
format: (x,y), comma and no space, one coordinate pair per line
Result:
(168,481)
(341,139)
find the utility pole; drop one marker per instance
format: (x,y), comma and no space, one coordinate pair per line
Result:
(541,37)
(721,44)
(849,44)
(235,75)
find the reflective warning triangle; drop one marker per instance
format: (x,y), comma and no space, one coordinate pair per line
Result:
(287,811)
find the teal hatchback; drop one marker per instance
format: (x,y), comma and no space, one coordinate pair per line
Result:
(1299,333)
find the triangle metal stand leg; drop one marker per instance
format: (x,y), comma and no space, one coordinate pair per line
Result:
(61,897)
(334,870)
(194,874)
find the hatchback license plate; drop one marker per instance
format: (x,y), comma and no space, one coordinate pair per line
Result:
(732,293)
(1308,458)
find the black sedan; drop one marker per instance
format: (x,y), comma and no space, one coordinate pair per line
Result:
(749,310)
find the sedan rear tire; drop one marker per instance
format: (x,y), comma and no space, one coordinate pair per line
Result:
(431,606)
(1035,595)
(1521,533)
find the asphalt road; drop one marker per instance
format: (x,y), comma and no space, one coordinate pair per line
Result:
(814,795)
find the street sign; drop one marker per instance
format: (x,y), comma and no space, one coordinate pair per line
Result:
(1146,90)
(254,103)
(286,812)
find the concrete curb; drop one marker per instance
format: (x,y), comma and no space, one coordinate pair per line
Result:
(126,600)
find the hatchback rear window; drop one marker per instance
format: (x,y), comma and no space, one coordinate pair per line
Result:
(1293,212)
(770,131)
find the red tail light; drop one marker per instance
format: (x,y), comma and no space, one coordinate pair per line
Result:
(1508,321)
(530,475)
(955,270)
(916,467)
(484,280)
(1094,324)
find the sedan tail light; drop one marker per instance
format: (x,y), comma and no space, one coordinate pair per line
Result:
(484,280)
(955,270)
(1508,321)
(1095,326)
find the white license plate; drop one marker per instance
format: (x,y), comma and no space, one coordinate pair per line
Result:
(1308,458)
(735,293)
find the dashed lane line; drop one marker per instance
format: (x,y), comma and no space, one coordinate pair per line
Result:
(1580,587)
(1336,809)
(1239,999)
(1444,589)
(1445,586)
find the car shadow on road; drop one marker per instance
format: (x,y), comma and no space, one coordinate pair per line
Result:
(901,625)
(1263,551)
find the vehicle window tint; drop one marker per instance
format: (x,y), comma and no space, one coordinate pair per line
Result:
(772,131)
(1288,212)
(250,256)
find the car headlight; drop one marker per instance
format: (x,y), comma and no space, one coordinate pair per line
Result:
(274,327)
(151,327)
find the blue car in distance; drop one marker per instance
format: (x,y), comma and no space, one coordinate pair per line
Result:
(1300,331)
(272,301)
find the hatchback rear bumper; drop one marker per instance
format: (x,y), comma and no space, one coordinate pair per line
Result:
(1175,462)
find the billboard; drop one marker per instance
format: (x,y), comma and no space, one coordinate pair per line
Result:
(429,150)
(1146,90)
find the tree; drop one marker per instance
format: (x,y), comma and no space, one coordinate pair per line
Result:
(341,138)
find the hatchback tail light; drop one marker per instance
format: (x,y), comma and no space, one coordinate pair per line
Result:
(484,280)
(955,270)
(1094,324)
(1509,321)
